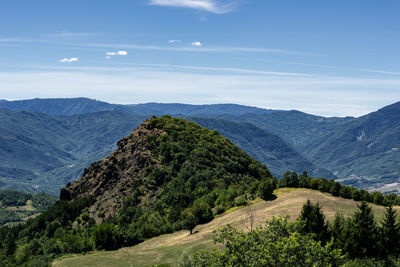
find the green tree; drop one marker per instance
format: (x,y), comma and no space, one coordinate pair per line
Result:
(363,239)
(189,220)
(266,189)
(390,235)
(277,244)
(289,179)
(105,236)
(314,220)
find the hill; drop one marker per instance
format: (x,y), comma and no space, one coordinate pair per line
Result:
(160,156)
(168,248)
(365,151)
(168,175)
(43,152)
(267,148)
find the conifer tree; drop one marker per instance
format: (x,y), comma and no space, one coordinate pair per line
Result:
(363,241)
(390,235)
(314,220)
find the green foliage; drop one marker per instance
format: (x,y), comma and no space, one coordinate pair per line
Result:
(106,236)
(189,220)
(266,188)
(12,208)
(390,233)
(314,221)
(289,179)
(364,238)
(277,244)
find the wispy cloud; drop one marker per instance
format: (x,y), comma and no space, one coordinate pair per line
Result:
(67,34)
(68,60)
(196,44)
(332,67)
(213,49)
(117,53)
(212,6)
(174,41)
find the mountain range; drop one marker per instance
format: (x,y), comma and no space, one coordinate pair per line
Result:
(45,143)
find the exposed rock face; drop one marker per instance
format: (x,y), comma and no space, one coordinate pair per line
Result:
(112,179)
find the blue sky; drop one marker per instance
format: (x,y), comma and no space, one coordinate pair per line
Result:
(331,58)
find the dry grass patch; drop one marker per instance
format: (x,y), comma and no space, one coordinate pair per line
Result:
(168,248)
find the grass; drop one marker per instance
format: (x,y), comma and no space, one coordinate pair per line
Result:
(168,248)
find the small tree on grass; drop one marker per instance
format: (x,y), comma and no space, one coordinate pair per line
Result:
(266,189)
(189,220)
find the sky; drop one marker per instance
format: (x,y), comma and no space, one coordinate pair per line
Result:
(328,58)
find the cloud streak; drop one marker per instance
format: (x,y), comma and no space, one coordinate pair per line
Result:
(211,6)
(210,49)
(68,60)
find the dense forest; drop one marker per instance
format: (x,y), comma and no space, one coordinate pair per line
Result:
(16,207)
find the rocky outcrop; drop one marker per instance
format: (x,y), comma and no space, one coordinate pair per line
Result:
(110,180)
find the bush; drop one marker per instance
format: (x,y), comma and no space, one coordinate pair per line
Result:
(105,236)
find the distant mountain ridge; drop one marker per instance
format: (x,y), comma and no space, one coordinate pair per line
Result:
(360,151)
(75,106)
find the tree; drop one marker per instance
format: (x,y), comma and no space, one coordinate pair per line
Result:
(189,220)
(202,211)
(390,235)
(337,229)
(105,236)
(304,180)
(266,189)
(363,238)
(278,244)
(314,220)
(289,179)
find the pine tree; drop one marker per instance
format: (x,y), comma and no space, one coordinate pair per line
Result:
(314,220)
(363,241)
(337,229)
(390,235)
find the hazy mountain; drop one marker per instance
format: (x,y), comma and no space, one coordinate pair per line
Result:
(74,106)
(41,152)
(367,147)
(318,143)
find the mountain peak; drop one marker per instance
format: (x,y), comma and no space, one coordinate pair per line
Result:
(161,155)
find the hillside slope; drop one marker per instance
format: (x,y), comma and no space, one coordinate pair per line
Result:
(168,248)
(39,152)
(267,148)
(368,147)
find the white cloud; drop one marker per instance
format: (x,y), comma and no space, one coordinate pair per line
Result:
(174,41)
(68,60)
(197,44)
(122,53)
(117,53)
(212,6)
